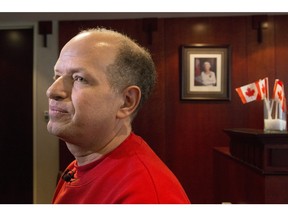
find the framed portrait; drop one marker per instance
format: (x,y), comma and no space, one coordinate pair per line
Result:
(205,72)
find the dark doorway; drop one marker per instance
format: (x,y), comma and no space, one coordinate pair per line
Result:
(16,116)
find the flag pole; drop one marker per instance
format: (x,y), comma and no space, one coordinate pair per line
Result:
(268,107)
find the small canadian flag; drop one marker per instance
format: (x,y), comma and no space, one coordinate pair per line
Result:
(259,90)
(250,92)
(278,93)
(263,87)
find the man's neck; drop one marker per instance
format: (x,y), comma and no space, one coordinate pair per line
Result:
(85,156)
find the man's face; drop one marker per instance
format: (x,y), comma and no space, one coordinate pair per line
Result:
(82,105)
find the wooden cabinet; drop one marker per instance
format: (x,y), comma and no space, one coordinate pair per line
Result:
(253,169)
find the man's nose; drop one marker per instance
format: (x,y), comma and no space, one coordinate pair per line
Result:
(59,90)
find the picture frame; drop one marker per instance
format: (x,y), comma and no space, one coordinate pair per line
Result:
(205,72)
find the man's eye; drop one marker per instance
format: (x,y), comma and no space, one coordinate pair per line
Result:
(79,79)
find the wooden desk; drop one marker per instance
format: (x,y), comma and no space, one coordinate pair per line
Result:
(257,173)
(267,151)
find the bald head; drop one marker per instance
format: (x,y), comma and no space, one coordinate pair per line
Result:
(128,63)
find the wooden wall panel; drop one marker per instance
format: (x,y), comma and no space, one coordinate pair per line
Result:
(198,125)
(184,134)
(281,49)
(260,64)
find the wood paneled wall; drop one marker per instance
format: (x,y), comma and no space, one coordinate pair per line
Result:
(184,134)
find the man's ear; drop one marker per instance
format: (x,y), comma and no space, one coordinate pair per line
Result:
(131,99)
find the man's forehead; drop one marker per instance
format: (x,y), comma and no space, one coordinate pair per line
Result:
(97,37)
(88,43)
(78,53)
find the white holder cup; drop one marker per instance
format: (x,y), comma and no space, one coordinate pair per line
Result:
(274,116)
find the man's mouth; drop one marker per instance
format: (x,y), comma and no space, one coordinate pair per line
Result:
(57,111)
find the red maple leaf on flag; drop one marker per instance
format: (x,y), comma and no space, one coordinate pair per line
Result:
(279,93)
(263,89)
(250,92)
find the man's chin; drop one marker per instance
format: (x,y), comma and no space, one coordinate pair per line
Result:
(54,128)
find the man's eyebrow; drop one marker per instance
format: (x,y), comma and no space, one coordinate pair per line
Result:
(78,69)
(71,70)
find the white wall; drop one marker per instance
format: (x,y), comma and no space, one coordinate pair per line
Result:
(46,151)
(45,146)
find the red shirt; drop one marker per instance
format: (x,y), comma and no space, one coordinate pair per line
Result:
(131,173)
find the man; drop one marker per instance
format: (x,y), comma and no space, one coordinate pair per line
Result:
(101,79)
